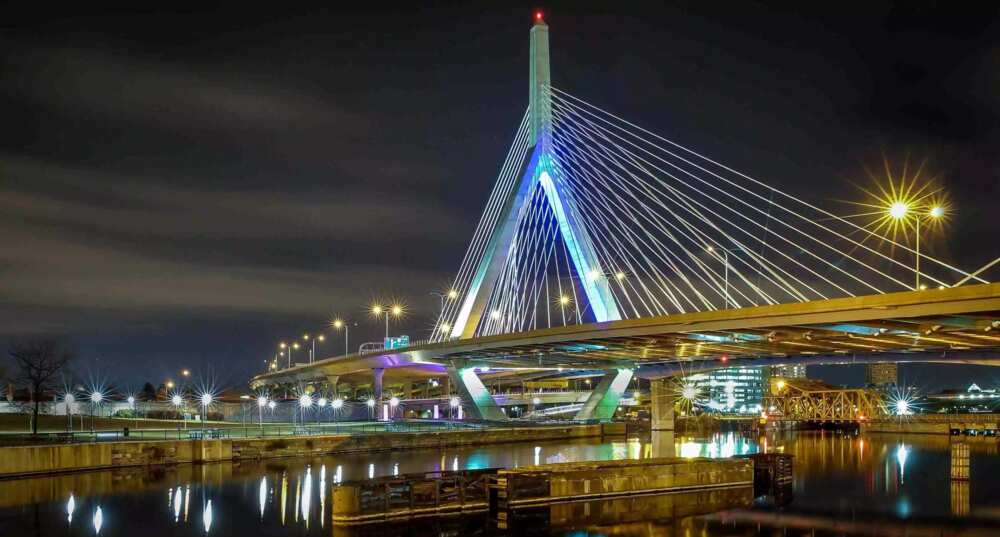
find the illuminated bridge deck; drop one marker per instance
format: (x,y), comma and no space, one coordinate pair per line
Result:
(954,325)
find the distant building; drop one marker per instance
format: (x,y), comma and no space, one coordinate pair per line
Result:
(737,390)
(971,399)
(881,375)
(789,371)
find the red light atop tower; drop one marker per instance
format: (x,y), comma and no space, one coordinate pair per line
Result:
(538,16)
(724,358)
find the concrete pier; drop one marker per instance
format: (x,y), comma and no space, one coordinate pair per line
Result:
(505,490)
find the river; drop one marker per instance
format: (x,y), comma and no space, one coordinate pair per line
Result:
(844,484)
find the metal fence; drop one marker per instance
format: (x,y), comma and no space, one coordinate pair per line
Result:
(194,430)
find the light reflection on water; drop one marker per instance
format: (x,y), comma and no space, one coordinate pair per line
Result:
(901,477)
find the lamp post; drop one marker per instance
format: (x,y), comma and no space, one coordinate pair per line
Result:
(338,324)
(261,403)
(725,276)
(95,401)
(69,399)
(305,401)
(177,401)
(396,310)
(901,211)
(450,295)
(206,399)
(312,351)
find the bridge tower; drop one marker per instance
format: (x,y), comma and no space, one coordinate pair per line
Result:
(539,79)
(539,171)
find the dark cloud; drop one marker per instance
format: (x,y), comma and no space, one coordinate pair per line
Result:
(179,188)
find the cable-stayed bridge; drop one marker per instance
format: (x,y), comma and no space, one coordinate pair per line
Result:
(604,246)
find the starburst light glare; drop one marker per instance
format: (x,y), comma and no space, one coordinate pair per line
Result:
(898,210)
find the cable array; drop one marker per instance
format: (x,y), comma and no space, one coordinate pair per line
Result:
(670,231)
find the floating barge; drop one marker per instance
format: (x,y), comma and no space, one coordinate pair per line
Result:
(507,490)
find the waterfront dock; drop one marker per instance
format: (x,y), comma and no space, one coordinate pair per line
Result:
(504,491)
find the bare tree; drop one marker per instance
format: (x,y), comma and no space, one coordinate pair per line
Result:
(38,364)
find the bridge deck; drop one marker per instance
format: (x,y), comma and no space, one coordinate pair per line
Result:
(959,324)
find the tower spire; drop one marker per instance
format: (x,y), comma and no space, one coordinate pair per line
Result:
(539,101)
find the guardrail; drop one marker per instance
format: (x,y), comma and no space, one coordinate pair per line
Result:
(249,431)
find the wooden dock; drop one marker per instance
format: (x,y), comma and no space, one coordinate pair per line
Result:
(507,490)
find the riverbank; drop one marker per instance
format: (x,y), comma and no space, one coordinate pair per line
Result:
(45,459)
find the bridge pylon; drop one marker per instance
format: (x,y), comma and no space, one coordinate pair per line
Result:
(540,170)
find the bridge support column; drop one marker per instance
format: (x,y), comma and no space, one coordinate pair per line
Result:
(474,394)
(603,401)
(377,374)
(661,403)
(663,444)
(331,381)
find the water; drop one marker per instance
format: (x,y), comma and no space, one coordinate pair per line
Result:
(878,483)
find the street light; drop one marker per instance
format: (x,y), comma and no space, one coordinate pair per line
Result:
(305,401)
(312,351)
(396,310)
(450,295)
(725,261)
(69,399)
(284,346)
(900,211)
(338,324)
(261,403)
(177,401)
(206,400)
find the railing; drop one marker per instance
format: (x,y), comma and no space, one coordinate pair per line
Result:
(268,430)
(946,418)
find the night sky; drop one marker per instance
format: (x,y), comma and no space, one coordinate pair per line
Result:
(185,189)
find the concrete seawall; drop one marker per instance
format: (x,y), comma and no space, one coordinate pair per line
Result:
(977,424)
(44,459)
